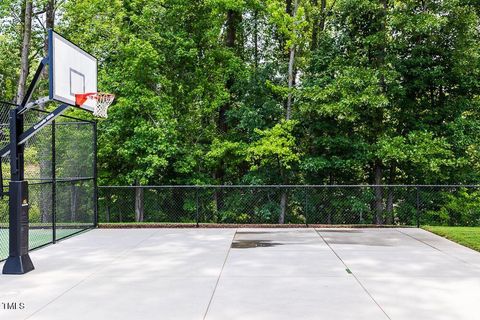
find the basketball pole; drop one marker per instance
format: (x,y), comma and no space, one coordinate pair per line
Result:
(18,261)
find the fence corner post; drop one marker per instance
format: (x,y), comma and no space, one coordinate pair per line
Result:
(196,208)
(418,206)
(95,175)
(54,185)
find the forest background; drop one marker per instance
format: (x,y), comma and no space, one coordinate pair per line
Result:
(270,92)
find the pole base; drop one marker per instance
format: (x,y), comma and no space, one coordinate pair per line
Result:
(18,265)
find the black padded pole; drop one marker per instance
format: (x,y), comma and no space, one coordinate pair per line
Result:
(18,261)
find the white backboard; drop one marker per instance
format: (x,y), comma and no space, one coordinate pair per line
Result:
(72,71)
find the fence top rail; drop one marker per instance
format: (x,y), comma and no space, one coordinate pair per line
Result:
(64,116)
(8,103)
(45,111)
(57,123)
(303,186)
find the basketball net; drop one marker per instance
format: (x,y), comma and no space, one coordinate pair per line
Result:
(102,102)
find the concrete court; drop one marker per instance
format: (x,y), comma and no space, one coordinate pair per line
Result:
(265,274)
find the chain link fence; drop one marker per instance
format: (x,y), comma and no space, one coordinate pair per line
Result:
(60,170)
(399,205)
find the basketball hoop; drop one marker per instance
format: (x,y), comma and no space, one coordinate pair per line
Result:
(102,102)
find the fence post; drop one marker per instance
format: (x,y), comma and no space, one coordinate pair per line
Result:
(139,203)
(54,187)
(95,176)
(306,206)
(196,207)
(418,206)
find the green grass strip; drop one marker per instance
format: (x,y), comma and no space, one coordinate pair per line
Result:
(467,236)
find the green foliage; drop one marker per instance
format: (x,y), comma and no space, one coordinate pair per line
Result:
(9,48)
(459,209)
(381,93)
(276,148)
(418,149)
(389,75)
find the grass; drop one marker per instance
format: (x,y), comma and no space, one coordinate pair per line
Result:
(467,236)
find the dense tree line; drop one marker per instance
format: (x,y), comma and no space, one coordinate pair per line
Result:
(271,92)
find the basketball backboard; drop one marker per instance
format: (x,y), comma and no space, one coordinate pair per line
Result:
(71,71)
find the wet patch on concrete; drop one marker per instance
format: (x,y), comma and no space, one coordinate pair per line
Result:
(272,232)
(340,231)
(247,244)
(357,242)
(253,232)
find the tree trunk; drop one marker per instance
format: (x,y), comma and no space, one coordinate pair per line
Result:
(73,203)
(288,113)
(139,204)
(390,196)
(314,40)
(381,60)
(328,197)
(49,24)
(49,21)
(233,19)
(50,14)
(255,40)
(323,15)
(389,217)
(378,123)
(290,82)
(24,63)
(288,7)
(318,23)
(291,73)
(283,207)
(378,193)
(108,200)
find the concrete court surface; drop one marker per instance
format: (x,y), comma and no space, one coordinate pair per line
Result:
(248,274)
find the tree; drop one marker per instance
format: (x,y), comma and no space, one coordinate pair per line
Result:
(27,8)
(374,78)
(276,151)
(356,91)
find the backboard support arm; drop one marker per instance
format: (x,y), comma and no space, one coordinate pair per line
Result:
(32,104)
(33,84)
(25,136)
(42,123)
